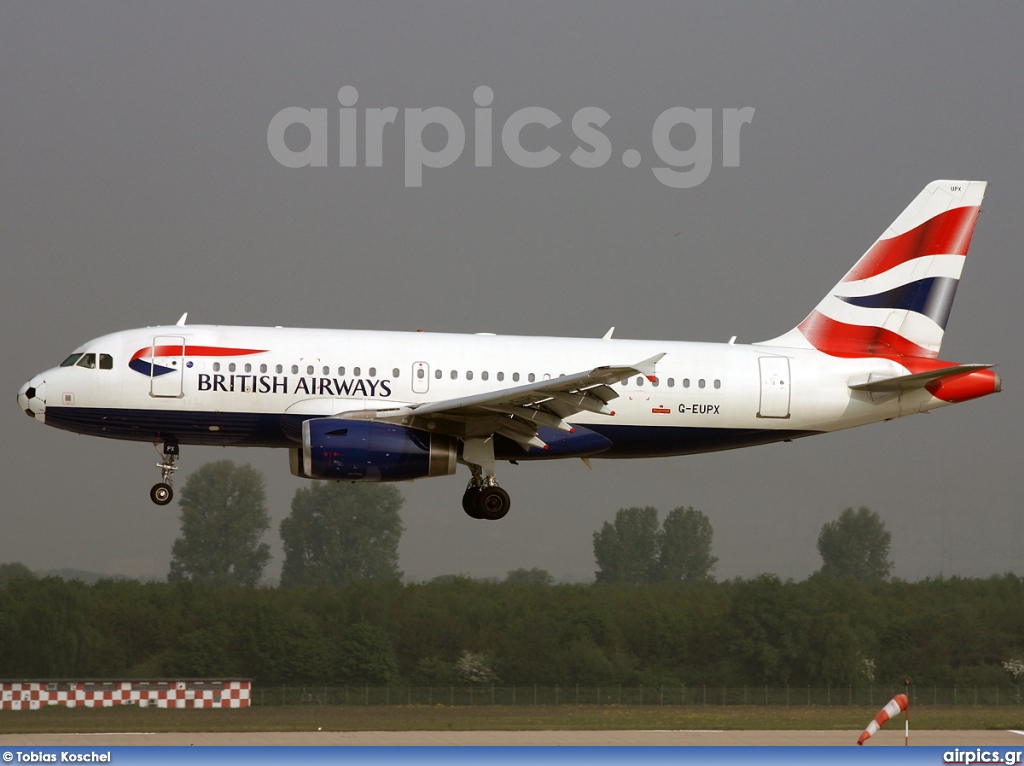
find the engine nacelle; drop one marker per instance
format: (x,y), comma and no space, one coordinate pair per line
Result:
(364,450)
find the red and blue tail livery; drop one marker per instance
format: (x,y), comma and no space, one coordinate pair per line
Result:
(360,405)
(897,298)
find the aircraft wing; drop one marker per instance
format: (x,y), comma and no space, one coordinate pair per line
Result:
(516,412)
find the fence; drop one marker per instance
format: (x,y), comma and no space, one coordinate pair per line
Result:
(27,694)
(632,695)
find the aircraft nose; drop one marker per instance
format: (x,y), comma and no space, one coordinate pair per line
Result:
(32,398)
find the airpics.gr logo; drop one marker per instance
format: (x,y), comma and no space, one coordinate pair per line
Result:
(682,169)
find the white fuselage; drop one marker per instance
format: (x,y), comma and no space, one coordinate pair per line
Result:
(254,386)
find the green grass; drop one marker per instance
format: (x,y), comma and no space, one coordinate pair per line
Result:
(491,718)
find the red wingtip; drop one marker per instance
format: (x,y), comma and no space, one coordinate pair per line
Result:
(652,378)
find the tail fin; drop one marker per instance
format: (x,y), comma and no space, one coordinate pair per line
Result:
(897,298)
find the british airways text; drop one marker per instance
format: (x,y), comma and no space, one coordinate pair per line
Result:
(283,384)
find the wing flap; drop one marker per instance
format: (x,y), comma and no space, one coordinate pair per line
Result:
(518,412)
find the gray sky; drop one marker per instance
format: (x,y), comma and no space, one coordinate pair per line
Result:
(137,184)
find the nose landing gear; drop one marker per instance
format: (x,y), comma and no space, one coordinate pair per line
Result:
(163,493)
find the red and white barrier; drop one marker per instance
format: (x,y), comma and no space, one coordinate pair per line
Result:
(896,704)
(33,695)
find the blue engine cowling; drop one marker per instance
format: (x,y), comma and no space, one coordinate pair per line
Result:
(363,450)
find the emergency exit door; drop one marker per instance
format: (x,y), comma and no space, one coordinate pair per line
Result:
(167,366)
(420,377)
(775,387)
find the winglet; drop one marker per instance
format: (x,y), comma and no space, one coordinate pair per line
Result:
(646,367)
(608,335)
(181,322)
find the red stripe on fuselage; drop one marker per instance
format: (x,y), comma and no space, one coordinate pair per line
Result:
(948,233)
(194,351)
(960,388)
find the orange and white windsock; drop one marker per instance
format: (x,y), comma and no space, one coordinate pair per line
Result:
(896,704)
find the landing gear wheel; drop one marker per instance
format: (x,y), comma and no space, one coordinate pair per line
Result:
(493,503)
(470,502)
(161,494)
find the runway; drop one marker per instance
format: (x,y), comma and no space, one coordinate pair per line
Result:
(520,738)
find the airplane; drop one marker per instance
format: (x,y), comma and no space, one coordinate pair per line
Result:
(361,405)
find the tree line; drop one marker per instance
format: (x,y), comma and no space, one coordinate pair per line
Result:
(654,616)
(763,631)
(338,533)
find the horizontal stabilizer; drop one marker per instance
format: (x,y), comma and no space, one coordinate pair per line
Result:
(918,380)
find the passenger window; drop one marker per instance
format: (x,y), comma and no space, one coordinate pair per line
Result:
(455,375)
(106,362)
(501,376)
(671,382)
(248,367)
(625,382)
(295,369)
(88,360)
(394,373)
(373,372)
(341,371)
(327,370)
(639,382)
(355,371)
(483,375)
(686,382)
(515,377)
(309,369)
(419,373)
(231,367)
(701,382)
(216,366)
(437,374)
(70,361)
(469,375)
(279,369)
(263,368)
(655,382)
(531,377)
(718,383)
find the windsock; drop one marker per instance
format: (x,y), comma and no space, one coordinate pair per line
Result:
(896,704)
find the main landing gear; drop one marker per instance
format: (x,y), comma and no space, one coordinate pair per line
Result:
(483,499)
(163,493)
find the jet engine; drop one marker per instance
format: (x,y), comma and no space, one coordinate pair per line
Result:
(363,450)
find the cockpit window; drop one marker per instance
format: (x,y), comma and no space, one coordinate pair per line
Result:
(70,361)
(87,360)
(106,362)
